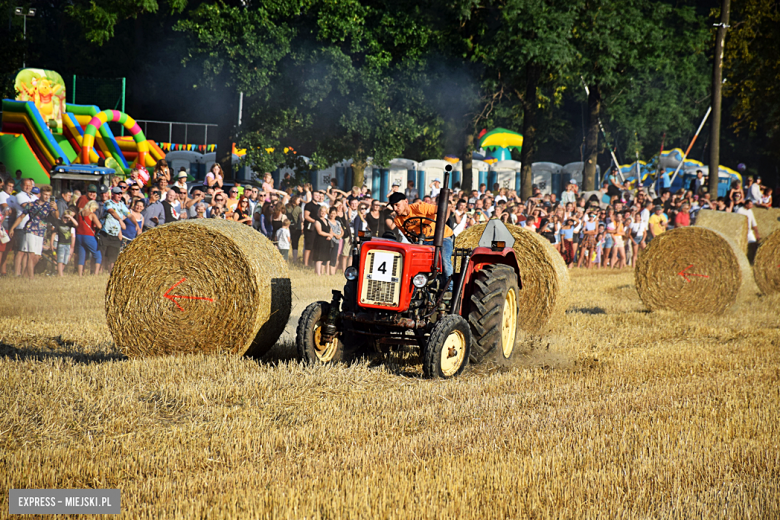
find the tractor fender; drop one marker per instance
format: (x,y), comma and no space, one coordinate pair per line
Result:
(486,256)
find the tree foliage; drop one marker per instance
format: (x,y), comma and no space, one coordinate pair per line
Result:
(645,67)
(98,18)
(752,65)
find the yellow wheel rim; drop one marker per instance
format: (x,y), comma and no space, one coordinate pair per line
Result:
(509,323)
(453,353)
(324,351)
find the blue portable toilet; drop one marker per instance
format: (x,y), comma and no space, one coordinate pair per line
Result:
(341,177)
(376,183)
(384,183)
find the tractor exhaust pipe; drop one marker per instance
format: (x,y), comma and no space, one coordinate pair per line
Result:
(441,214)
(441,211)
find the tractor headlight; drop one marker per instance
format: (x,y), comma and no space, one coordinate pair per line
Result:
(350,273)
(420,280)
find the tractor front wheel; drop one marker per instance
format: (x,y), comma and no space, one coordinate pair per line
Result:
(493,313)
(448,348)
(311,347)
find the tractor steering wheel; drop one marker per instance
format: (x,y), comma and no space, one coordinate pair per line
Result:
(422,223)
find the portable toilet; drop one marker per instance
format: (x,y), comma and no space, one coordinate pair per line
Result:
(479,173)
(432,169)
(547,177)
(324,176)
(402,171)
(506,174)
(573,170)
(190,160)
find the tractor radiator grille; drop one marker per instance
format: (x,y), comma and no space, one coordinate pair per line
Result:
(382,283)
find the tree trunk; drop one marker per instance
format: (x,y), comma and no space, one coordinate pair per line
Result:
(592,139)
(530,123)
(358,172)
(467,181)
(717,81)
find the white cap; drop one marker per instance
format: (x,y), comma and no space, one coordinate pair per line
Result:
(573,181)
(437,179)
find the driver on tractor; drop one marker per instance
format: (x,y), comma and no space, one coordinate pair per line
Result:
(422,212)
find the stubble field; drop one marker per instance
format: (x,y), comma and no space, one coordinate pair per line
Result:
(618,413)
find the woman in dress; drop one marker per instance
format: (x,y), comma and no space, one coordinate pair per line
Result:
(88,223)
(322,240)
(618,260)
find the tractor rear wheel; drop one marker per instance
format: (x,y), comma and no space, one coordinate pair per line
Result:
(493,313)
(308,340)
(447,351)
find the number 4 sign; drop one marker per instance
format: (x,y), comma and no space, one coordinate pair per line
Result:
(383,267)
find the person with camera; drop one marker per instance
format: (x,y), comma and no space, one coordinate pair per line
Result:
(36,213)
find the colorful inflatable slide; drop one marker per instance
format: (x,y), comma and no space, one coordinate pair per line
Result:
(38,128)
(648,173)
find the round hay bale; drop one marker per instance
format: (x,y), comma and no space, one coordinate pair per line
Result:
(206,285)
(733,225)
(693,270)
(766,266)
(544,277)
(768,220)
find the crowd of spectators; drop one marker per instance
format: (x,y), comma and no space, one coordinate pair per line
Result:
(601,229)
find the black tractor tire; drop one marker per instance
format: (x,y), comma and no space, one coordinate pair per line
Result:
(307,339)
(490,325)
(448,348)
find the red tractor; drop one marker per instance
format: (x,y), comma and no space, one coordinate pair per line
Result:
(396,298)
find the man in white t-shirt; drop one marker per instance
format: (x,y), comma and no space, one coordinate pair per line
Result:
(23,197)
(754,192)
(747,210)
(644,215)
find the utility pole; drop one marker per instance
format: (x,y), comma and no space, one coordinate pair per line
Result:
(717,82)
(21,11)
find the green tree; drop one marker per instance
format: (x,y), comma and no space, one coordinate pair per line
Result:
(98,18)
(752,68)
(531,51)
(644,62)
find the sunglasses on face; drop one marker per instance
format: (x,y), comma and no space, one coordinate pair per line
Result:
(155,193)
